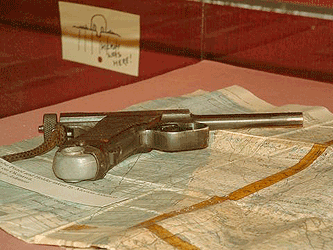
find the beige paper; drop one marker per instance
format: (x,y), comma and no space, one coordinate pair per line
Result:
(100,37)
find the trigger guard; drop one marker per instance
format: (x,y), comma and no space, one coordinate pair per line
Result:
(173,137)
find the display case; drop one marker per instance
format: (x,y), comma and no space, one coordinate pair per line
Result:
(251,188)
(289,37)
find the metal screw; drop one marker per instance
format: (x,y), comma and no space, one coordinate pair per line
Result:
(41,129)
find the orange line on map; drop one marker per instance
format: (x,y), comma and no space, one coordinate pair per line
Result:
(206,203)
(170,238)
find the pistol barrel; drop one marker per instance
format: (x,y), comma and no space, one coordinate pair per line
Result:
(234,121)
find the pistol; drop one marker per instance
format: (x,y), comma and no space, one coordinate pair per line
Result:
(96,142)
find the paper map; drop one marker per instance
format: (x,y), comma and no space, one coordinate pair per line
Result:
(268,188)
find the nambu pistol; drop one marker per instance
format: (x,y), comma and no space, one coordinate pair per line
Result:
(96,142)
